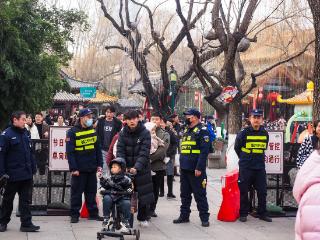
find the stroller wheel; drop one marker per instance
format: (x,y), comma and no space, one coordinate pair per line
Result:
(99,236)
(137,232)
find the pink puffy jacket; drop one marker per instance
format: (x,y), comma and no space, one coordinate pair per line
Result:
(306,191)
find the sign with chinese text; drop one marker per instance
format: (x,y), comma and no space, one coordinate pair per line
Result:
(274,153)
(228,94)
(57,149)
(88,92)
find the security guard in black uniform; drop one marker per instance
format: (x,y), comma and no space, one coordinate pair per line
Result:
(250,146)
(85,159)
(16,161)
(193,179)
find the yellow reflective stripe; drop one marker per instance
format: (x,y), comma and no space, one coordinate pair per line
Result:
(86,141)
(257,151)
(78,134)
(192,143)
(256,145)
(196,129)
(245,150)
(79,149)
(192,151)
(185,151)
(256,137)
(89,147)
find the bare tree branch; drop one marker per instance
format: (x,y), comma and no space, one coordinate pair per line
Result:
(283,61)
(240,15)
(120,14)
(266,18)
(248,16)
(115,47)
(190,10)
(108,16)
(217,24)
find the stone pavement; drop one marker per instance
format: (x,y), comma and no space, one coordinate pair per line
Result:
(161,228)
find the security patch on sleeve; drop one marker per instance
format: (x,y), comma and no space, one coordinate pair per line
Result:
(206,138)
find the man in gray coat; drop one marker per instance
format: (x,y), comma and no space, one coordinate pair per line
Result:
(158,165)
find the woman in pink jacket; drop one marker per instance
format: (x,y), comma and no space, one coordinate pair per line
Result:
(306,191)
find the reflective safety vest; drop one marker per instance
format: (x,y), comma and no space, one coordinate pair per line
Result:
(85,140)
(189,142)
(255,144)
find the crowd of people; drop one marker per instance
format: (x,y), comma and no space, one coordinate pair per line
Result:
(102,153)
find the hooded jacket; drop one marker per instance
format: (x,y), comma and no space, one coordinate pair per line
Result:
(306,191)
(134,147)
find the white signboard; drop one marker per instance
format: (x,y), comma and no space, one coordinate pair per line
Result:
(57,149)
(274,153)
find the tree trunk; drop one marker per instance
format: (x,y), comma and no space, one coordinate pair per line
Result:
(235,116)
(315,9)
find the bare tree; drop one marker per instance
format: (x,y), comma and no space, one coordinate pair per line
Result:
(231,38)
(128,27)
(315,9)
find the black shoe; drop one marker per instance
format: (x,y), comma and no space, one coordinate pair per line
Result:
(161,194)
(29,228)
(74,219)
(3,227)
(243,219)
(171,195)
(96,218)
(205,224)
(265,218)
(181,220)
(153,214)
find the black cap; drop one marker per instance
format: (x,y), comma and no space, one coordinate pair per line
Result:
(257,112)
(193,111)
(85,112)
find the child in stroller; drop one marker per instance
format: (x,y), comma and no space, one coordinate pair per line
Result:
(117,190)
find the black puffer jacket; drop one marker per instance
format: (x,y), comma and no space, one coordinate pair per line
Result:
(134,146)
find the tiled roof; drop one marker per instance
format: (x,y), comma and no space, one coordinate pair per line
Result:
(67,97)
(137,87)
(76,84)
(102,98)
(129,103)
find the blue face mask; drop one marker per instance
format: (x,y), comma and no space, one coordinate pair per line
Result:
(89,122)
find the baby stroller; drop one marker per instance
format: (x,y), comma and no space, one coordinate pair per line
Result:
(114,225)
(3,183)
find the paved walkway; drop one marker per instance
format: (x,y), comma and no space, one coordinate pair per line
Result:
(56,228)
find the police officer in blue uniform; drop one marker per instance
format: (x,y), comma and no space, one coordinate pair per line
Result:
(16,161)
(193,179)
(85,159)
(250,146)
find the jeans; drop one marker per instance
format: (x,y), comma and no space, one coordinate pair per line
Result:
(124,204)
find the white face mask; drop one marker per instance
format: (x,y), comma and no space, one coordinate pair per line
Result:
(89,122)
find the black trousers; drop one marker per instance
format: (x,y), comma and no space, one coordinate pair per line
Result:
(24,190)
(84,183)
(156,180)
(143,212)
(257,179)
(190,184)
